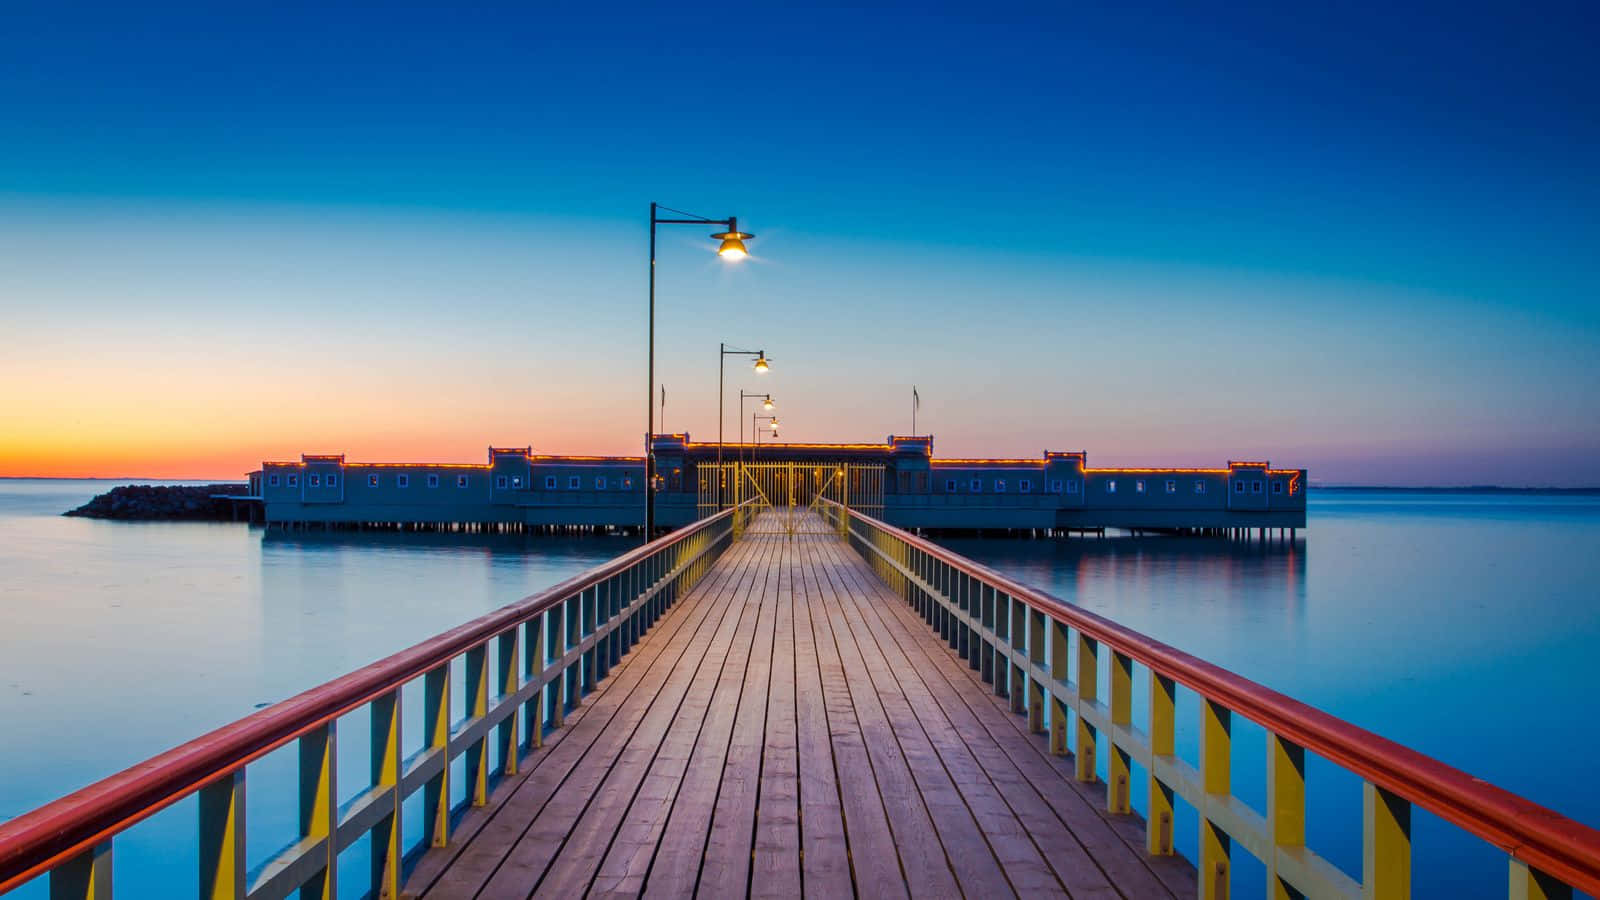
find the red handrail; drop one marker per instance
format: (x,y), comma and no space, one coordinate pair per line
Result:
(1541,837)
(50,835)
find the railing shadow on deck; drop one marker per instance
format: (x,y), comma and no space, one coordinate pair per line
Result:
(551,648)
(1024,641)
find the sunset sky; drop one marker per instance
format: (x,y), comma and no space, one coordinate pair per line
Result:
(1358,240)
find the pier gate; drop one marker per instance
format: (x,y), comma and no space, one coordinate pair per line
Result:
(791,486)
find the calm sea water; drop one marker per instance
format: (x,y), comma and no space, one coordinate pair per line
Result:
(1462,625)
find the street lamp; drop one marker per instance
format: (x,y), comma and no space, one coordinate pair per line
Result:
(722,358)
(755,429)
(766,403)
(731,249)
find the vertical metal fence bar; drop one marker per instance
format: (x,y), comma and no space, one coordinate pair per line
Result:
(222,823)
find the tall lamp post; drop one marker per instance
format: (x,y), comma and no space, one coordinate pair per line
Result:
(755,428)
(766,404)
(761,367)
(731,249)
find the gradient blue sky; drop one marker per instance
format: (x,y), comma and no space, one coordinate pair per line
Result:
(1357,239)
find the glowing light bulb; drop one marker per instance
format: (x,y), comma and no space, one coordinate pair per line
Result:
(732,250)
(762,367)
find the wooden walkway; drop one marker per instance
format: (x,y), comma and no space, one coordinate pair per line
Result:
(792,727)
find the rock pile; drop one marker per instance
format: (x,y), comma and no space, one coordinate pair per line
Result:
(148,502)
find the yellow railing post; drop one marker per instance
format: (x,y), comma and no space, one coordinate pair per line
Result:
(86,876)
(319,806)
(387,835)
(1528,883)
(1088,693)
(1058,679)
(509,644)
(1216,777)
(1118,768)
(1386,844)
(222,856)
(436,719)
(1036,691)
(1286,807)
(475,697)
(1163,727)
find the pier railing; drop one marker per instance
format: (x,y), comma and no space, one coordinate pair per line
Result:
(1042,653)
(548,650)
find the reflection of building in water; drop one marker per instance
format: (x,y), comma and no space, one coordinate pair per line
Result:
(517,489)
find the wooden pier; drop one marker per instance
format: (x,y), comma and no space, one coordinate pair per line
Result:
(779,703)
(791,728)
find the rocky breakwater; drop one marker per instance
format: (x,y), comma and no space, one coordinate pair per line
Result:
(165,503)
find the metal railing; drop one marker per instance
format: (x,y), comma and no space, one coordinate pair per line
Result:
(1022,640)
(550,649)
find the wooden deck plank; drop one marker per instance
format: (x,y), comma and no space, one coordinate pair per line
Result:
(792,727)
(1125,864)
(669,729)
(775,858)
(661,649)
(926,867)
(627,864)
(675,870)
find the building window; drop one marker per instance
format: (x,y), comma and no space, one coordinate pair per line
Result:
(516,482)
(433,481)
(1172,486)
(294,481)
(599,482)
(272,481)
(461,481)
(1255,487)
(316,481)
(1072,487)
(549,482)
(402,480)
(977,485)
(999,485)
(949,485)
(627,482)
(1025,485)
(1111,486)
(500,482)
(372,481)
(575,483)
(1238,487)
(1138,486)
(1199,486)
(333,480)
(1277,487)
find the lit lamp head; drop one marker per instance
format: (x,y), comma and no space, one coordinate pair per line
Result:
(774,426)
(767,403)
(732,248)
(761,365)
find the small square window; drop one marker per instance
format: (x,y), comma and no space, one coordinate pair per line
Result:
(316,481)
(1025,485)
(1056,486)
(999,485)
(1111,486)
(402,481)
(599,482)
(516,482)
(294,481)
(575,482)
(950,486)
(500,482)
(627,482)
(977,485)
(1277,487)
(433,481)
(272,481)
(549,482)
(372,481)
(1255,487)
(1138,486)
(461,481)
(1238,487)
(1072,487)
(1199,486)
(333,480)
(1172,486)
